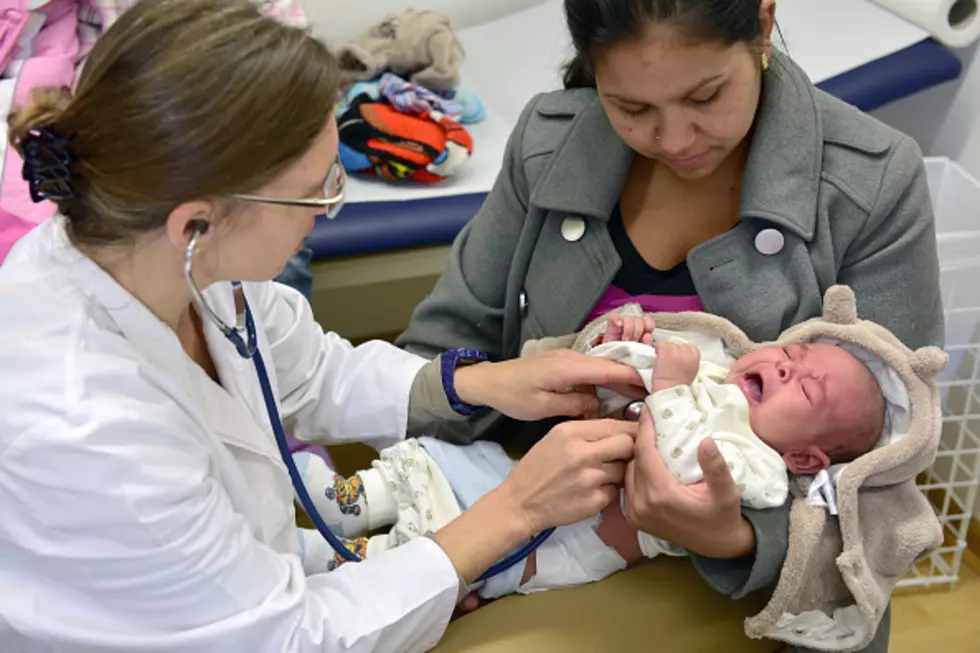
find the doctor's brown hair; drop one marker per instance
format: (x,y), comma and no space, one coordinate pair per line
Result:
(182,100)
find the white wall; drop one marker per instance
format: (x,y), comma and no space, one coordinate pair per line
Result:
(337,21)
(945,120)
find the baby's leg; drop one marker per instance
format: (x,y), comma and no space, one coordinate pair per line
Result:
(319,557)
(574,555)
(630,543)
(590,551)
(422,498)
(584,553)
(405,488)
(351,506)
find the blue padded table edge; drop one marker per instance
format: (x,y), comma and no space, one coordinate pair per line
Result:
(904,73)
(367,227)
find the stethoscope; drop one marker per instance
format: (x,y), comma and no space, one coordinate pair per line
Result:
(248,348)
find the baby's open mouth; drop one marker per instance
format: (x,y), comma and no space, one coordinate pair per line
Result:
(752,386)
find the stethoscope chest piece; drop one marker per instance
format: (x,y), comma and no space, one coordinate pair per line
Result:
(633,410)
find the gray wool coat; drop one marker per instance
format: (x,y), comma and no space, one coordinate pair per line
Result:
(848,195)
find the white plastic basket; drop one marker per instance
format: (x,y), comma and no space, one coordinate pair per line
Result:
(951,484)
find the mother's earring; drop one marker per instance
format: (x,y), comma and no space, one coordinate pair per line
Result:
(765,62)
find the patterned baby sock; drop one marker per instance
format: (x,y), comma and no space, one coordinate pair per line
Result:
(352,506)
(357,546)
(319,557)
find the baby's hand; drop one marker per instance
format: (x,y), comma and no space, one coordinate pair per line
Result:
(677,364)
(630,329)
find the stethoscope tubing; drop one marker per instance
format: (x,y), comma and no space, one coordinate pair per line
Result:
(248,348)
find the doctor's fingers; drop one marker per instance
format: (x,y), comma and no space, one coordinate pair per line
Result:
(616,448)
(601,476)
(589,434)
(613,473)
(570,369)
(578,402)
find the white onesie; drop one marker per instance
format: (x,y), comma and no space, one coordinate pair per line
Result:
(686,415)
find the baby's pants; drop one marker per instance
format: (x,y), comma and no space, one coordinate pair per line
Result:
(421,485)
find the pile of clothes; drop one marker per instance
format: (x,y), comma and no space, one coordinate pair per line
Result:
(402,113)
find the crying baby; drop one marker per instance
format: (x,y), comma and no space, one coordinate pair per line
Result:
(796,408)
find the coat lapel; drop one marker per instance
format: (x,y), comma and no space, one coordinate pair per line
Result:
(583,182)
(588,169)
(251,427)
(234,411)
(782,178)
(232,414)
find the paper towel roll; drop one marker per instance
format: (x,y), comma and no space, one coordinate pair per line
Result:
(954,22)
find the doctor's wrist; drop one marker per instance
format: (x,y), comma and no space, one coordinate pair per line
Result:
(483,534)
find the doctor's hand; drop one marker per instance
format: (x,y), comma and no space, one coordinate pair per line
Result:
(574,472)
(705,518)
(556,383)
(571,474)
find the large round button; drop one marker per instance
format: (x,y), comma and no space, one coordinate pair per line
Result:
(769,242)
(522,302)
(572,229)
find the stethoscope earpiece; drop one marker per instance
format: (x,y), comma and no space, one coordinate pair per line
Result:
(200,227)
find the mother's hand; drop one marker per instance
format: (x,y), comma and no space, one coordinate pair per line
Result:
(705,518)
(538,387)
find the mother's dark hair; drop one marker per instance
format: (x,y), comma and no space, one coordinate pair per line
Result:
(595,23)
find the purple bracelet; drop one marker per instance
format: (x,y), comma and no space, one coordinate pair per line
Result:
(449,362)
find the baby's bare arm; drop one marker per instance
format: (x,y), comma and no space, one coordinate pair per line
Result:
(677,364)
(617,533)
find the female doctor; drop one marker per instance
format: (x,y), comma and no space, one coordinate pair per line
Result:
(143,504)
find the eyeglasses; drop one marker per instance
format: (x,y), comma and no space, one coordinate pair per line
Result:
(334,193)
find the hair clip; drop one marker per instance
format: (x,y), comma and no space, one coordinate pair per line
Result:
(47,165)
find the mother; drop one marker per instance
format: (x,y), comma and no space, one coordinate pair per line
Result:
(690,166)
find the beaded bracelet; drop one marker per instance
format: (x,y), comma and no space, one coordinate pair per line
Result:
(450,360)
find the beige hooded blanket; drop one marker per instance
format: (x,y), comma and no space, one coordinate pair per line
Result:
(840,570)
(417,45)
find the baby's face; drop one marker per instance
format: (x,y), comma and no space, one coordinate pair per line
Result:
(799,394)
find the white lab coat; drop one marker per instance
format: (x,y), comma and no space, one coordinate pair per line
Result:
(144,508)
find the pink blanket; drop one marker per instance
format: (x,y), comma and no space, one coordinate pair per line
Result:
(39,47)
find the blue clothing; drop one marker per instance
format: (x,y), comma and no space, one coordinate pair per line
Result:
(297,274)
(472,471)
